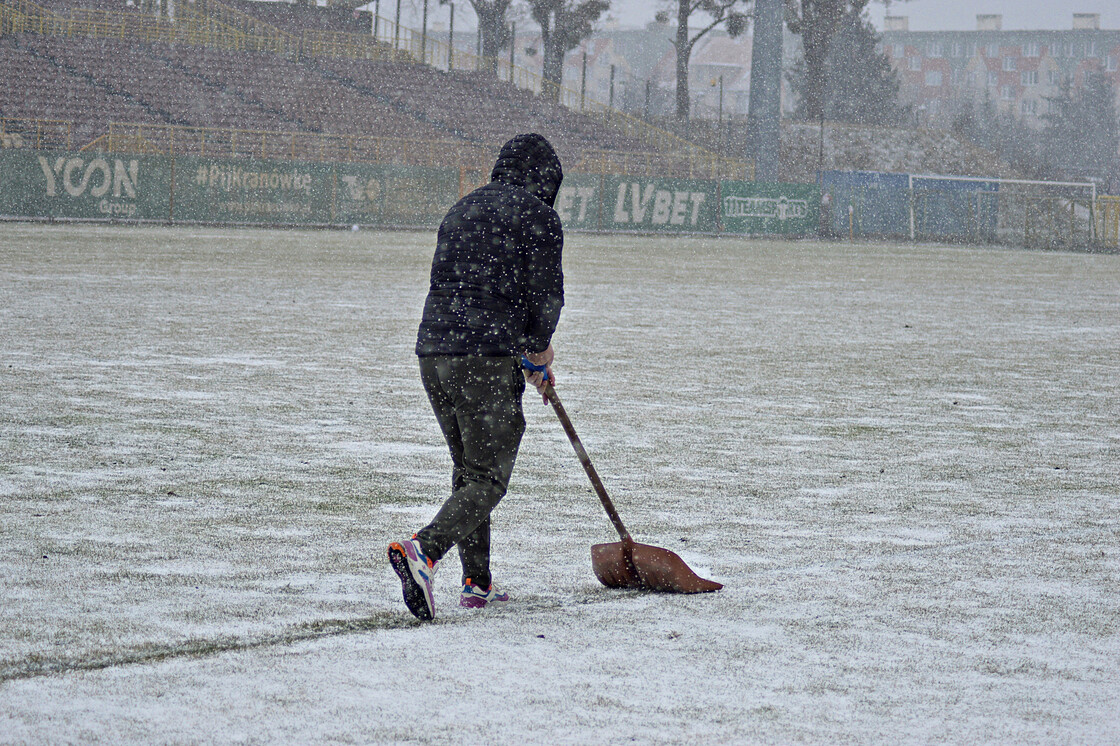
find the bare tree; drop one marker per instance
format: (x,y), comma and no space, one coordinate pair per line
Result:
(729,13)
(493,28)
(859,84)
(564,24)
(817,22)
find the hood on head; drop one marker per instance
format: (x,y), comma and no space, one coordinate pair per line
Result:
(528,161)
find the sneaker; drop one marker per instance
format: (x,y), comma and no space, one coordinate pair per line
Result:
(416,572)
(474,597)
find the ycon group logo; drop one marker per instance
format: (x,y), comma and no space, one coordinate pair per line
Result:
(96,178)
(781,208)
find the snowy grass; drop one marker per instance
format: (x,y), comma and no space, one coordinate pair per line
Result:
(902,461)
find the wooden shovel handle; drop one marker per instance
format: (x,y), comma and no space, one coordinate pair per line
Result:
(600,490)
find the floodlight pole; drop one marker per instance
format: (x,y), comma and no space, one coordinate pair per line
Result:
(424,35)
(451,41)
(764,115)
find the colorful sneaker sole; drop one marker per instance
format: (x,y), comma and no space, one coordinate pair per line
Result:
(472,602)
(417,592)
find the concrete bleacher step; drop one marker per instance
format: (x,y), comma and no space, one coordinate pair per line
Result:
(204,86)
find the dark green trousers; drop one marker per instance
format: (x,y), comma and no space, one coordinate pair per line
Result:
(477,401)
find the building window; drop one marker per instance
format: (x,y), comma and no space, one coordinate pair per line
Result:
(1112,64)
(933,49)
(958,49)
(1007,93)
(1028,106)
(993,78)
(992,50)
(972,79)
(1054,77)
(1030,49)
(915,63)
(970,49)
(1009,64)
(1090,49)
(1067,49)
(955,77)
(898,51)
(1029,77)
(933,78)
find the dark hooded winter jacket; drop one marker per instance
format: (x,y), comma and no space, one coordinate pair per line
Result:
(496,282)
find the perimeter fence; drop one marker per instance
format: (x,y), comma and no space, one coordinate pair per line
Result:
(1036,214)
(139,181)
(145,184)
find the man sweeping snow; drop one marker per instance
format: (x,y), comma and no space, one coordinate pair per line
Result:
(496,292)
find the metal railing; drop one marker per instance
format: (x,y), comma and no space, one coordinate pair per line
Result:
(309,146)
(263,36)
(660,165)
(401,43)
(277,145)
(40,134)
(212,23)
(189,28)
(1108,221)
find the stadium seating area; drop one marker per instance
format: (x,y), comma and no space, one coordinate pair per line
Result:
(473,106)
(94,79)
(295,94)
(35,87)
(295,19)
(166,94)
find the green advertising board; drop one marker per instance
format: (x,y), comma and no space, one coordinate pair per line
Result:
(394,195)
(578,202)
(86,186)
(110,186)
(749,207)
(675,205)
(225,190)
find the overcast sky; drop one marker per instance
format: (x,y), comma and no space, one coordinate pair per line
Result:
(943,15)
(925,15)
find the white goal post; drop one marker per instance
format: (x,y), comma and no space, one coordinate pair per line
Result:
(1021,184)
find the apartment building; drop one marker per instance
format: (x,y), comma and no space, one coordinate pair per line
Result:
(1018,71)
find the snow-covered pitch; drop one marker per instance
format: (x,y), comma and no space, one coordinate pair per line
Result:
(903,462)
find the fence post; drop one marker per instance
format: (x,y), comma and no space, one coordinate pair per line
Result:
(1093,215)
(610,108)
(910,180)
(397,28)
(583,81)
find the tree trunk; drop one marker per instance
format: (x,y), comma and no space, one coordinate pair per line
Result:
(684,51)
(552,73)
(820,20)
(816,55)
(490,25)
(492,30)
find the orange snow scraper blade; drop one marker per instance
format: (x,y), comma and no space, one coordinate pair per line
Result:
(626,563)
